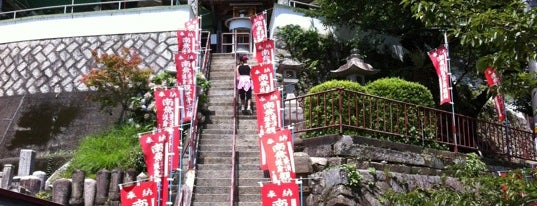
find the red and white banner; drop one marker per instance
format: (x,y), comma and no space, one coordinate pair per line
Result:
(280,194)
(259,27)
(500,107)
(268,108)
(494,80)
(263,78)
(439,58)
(279,156)
(154,146)
(184,64)
(173,144)
(168,106)
(189,95)
(186,41)
(264,51)
(144,193)
(194,25)
(492,77)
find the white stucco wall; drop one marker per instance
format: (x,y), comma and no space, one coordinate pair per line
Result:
(141,20)
(284,15)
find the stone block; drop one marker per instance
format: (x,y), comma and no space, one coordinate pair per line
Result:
(303,164)
(26,162)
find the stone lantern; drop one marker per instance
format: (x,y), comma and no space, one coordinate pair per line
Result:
(355,69)
(288,69)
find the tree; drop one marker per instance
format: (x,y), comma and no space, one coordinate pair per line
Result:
(118,80)
(502,32)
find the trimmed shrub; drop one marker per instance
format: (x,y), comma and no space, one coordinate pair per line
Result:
(401,90)
(322,108)
(404,119)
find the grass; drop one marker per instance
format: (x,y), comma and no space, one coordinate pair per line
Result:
(115,148)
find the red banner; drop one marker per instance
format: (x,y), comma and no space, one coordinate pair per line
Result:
(279,156)
(439,58)
(259,28)
(189,95)
(263,78)
(186,41)
(494,80)
(264,51)
(500,107)
(280,194)
(167,103)
(144,193)
(184,64)
(172,154)
(492,77)
(268,108)
(194,25)
(153,146)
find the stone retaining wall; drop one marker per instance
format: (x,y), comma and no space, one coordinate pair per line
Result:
(56,65)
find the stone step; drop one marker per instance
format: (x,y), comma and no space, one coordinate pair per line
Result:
(240,148)
(211,199)
(222,73)
(242,137)
(221,92)
(207,182)
(228,167)
(228,132)
(217,190)
(250,197)
(216,160)
(220,100)
(222,84)
(230,126)
(249,190)
(212,153)
(252,182)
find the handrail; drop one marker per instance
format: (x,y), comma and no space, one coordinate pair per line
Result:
(72,6)
(192,143)
(368,115)
(234,137)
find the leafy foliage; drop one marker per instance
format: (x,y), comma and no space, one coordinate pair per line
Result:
(503,32)
(118,80)
(318,54)
(354,177)
(115,148)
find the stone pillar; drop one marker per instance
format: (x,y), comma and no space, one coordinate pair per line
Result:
(42,176)
(89,192)
(102,186)
(77,193)
(61,191)
(113,193)
(26,162)
(7,176)
(31,183)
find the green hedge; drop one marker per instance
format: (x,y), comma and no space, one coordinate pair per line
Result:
(323,109)
(421,131)
(401,90)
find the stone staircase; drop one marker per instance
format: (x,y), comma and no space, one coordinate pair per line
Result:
(213,176)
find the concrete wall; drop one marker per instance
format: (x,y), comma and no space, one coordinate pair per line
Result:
(283,15)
